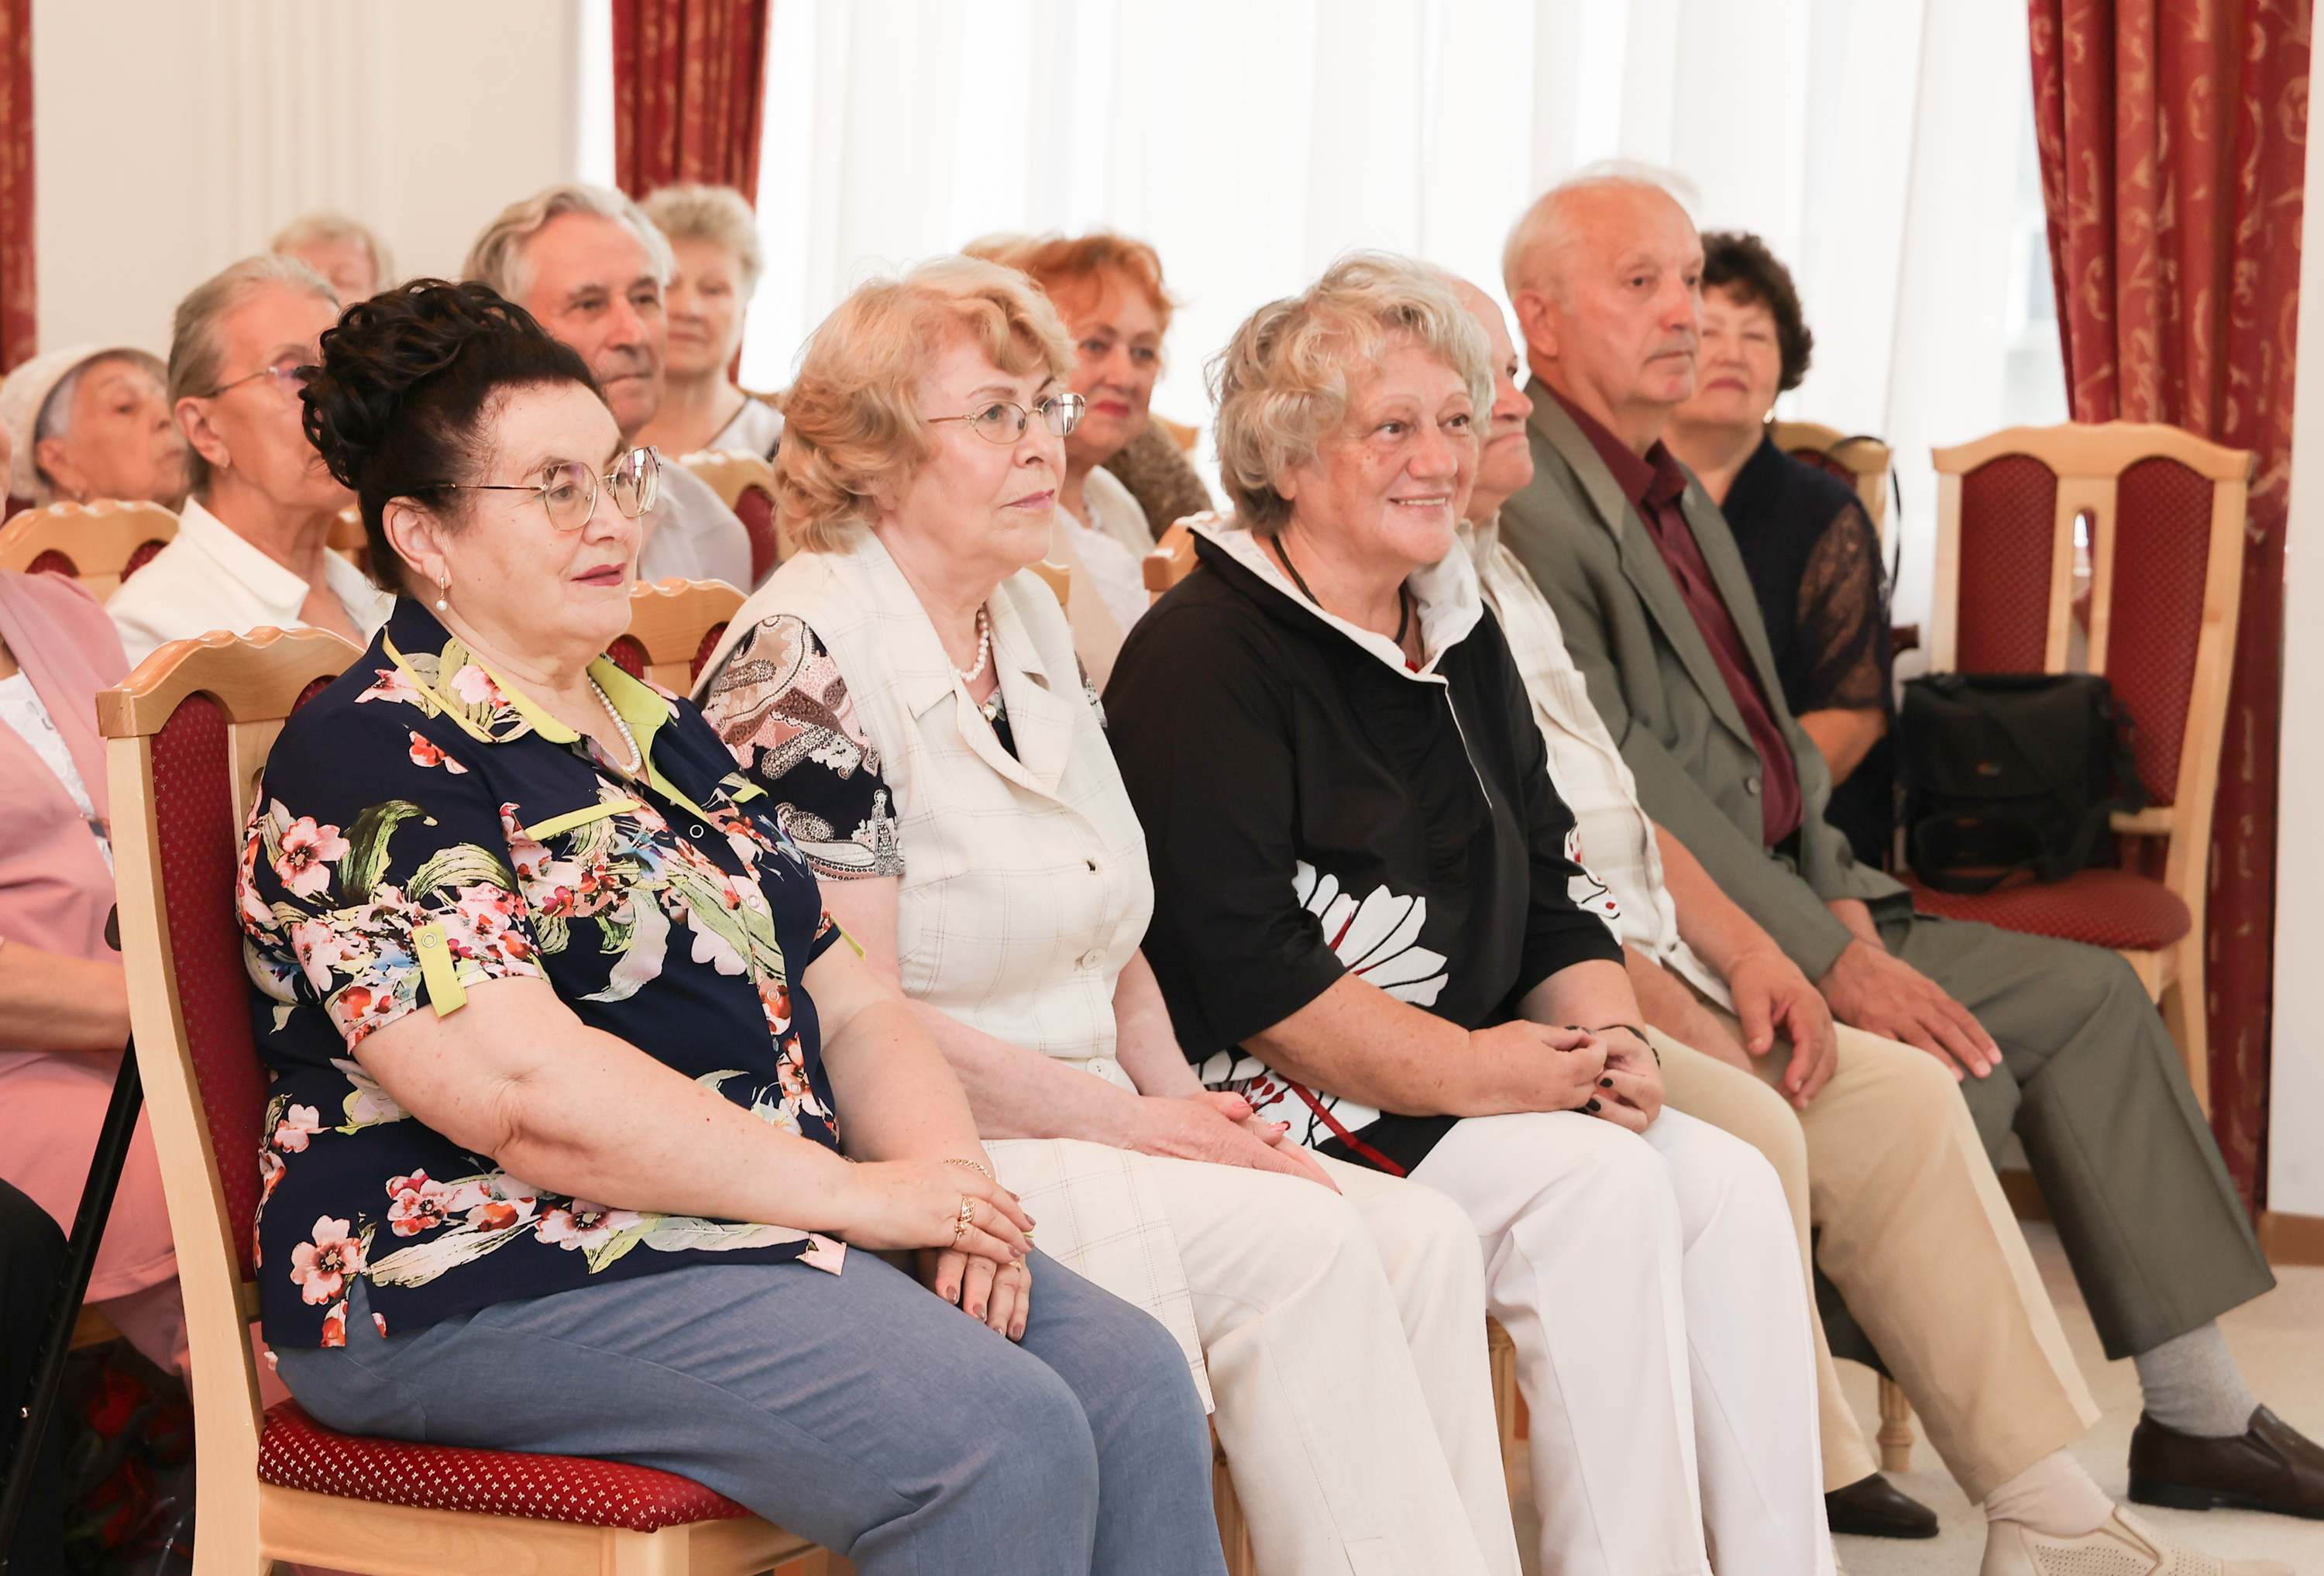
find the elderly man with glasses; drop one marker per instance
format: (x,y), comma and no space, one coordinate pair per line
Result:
(254,540)
(591,268)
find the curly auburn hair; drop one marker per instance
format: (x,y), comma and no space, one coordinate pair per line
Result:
(396,405)
(1740,264)
(850,427)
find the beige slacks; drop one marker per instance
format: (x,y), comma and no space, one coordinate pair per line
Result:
(1886,1164)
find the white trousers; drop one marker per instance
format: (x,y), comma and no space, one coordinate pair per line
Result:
(1345,1339)
(1652,1287)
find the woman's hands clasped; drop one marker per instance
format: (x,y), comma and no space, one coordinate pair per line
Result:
(971,1234)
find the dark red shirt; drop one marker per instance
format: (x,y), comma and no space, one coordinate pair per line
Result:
(1653,486)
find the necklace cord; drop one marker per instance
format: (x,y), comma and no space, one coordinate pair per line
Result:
(1402,592)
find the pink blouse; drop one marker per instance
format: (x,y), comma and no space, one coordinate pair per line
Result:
(55,894)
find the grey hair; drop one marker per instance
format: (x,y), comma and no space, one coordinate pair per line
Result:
(195,352)
(716,214)
(1282,382)
(1534,256)
(330,229)
(498,257)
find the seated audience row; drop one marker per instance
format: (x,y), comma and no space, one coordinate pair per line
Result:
(1437,918)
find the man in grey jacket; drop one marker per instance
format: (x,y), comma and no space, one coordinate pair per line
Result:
(2054,1040)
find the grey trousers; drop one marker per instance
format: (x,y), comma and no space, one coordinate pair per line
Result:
(854,1409)
(2092,1085)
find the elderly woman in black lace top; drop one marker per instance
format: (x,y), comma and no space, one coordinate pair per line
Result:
(1814,556)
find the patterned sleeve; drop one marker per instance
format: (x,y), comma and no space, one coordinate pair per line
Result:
(375,876)
(781,706)
(1842,619)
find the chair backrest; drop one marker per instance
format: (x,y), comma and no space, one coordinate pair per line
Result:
(187,737)
(1171,561)
(674,626)
(745,484)
(1184,436)
(348,538)
(1861,461)
(1058,577)
(99,544)
(2163,512)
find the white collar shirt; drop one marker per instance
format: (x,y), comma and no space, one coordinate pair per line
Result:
(695,537)
(1617,838)
(210,579)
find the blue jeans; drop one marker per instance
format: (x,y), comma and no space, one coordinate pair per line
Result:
(854,1409)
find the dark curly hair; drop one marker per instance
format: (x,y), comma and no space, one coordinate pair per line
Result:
(1741,263)
(395,405)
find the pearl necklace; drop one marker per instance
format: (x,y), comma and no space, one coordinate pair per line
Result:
(983,648)
(637,756)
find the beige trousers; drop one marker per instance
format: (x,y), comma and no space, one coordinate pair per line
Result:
(1886,1164)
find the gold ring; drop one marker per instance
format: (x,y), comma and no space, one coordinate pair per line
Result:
(966,1218)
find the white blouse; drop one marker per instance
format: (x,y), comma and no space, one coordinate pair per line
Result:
(21,710)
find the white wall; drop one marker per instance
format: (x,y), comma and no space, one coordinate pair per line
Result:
(1879,149)
(2295,1163)
(173,136)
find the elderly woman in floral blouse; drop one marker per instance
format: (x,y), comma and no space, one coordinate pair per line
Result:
(567,1067)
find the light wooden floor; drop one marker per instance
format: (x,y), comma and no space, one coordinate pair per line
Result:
(2279,1340)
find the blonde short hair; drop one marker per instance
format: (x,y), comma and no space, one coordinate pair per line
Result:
(1282,382)
(851,426)
(716,214)
(330,230)
(497,258)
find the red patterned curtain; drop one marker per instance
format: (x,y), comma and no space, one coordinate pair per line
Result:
(689,76)
(2172,136)
(18,275)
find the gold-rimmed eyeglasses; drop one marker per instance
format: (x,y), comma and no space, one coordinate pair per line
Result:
(1006,421)
(568,492)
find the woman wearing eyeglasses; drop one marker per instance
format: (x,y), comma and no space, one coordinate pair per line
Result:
(906,696)
(254,540)
(568,1064)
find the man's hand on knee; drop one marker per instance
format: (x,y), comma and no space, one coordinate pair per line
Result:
(1885,995)
(1771,996)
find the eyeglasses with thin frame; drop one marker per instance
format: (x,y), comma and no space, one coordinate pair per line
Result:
(289,377)
(568,492)
(1006,421)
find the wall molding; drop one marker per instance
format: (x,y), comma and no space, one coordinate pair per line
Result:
(2290,1239)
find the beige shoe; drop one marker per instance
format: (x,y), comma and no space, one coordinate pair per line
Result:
(2124,1547)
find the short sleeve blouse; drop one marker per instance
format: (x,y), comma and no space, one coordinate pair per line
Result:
(422,828)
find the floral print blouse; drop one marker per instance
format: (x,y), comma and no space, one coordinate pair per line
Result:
(421,828)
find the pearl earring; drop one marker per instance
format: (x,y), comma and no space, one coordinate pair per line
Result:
(443,593)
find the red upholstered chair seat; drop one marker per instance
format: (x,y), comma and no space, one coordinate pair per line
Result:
(297,1452)
(2104,907)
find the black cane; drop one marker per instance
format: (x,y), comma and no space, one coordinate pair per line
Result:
(40,1402)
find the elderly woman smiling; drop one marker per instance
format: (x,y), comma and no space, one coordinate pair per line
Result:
(909,699)
(565,1059)
(1369,917)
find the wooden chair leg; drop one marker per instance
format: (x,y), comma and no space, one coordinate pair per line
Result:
(1234,1532)
(2186,1013)
(1502,1354)
(1895,1427)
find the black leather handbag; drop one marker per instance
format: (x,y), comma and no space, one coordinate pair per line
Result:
(2011,771)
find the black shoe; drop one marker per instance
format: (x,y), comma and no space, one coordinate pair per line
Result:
(1874,1508)
(2271,1466)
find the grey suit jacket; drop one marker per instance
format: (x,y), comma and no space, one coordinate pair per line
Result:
(1653,678)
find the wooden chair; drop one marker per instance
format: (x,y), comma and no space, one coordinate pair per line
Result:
(1861,461)
(745,484)
(99,544)
(348,540)
(674,625)
(1171,561)
(187,737)
(1186,438)
(2165,530)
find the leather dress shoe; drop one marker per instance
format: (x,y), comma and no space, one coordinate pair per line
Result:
(1874,1508)
(2270,1466)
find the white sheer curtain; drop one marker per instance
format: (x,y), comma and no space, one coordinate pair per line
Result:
(1879,149)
